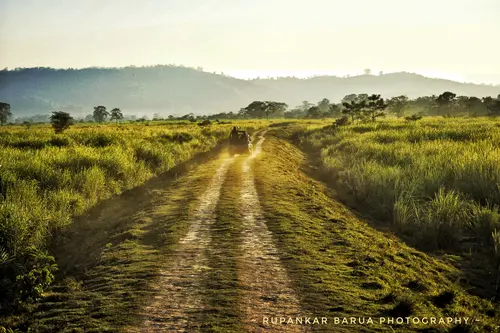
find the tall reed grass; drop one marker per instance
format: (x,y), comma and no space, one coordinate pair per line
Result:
(437,180)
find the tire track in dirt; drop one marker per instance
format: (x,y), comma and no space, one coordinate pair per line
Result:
(267,290)
(179,293)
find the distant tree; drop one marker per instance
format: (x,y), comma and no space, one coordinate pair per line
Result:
(445,102)
(398,105)
(475,105)
(368,71)
(324,105)
(189,116)
(426,104)
(306,105)
(492,105)
(275,109)
(5,113)
(375,107)
(116,114)
(89,118)
(349,98)
(100,113)
(380,73)
(362,97)
(314,112)
(261,109)
(170,117)
(256,109)
(156,116)
(61,121)
(295,113)
(334,110)
(354,108)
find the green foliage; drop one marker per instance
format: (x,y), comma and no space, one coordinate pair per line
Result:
(100,113)
(436,179)
(492,105)
(45,180)
(261,109)
(398,105)
(25,274)
(60,121)
(5,113)
(116,114)
(413,117)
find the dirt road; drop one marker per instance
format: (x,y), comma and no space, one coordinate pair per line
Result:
(267,291)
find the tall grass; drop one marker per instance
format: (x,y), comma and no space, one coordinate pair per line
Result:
(46,179)
(437,180)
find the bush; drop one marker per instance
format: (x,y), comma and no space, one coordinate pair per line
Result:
(342,121)
(205,123)
(60,121)
(25,275)
(414,117)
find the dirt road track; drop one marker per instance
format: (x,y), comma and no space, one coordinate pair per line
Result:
(265,289)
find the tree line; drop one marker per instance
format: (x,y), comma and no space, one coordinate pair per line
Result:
(354,106)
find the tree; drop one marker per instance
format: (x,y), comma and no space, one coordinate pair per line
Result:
(156,116)
(368,71)
(61,121)
(324,105)
(116,114)
(256,109)
(89,118)
(492,105)
(349,98)
(445,102)
(398,105)
(334,110)
(314,112)
(275,109)
(305,106)
(375,107)
(100,113)
(353,108)
(425,104)
(5,113)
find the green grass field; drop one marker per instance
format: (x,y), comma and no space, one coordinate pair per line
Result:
(436,180)
(111,203)
(47,179)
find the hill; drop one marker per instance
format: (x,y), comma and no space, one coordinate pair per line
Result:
(179,90)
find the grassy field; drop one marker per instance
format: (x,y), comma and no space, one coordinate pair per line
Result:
(343,267)
(436,181)
(47,179)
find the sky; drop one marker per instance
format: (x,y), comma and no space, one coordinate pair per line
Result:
(453,39)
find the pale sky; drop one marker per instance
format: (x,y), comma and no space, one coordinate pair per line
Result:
(455,39)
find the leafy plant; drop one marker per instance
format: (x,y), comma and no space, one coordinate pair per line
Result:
(60,121)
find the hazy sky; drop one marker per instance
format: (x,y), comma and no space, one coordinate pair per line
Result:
(457,39)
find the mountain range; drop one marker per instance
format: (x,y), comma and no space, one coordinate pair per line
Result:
(178,90)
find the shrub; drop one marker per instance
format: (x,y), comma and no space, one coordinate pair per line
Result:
(413,117)
(342,121)
(60,121)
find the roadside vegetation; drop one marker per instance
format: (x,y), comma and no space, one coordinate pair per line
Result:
(47,179)
(435,181)
(343,267)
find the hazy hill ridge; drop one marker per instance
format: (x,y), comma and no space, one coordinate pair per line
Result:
(179,90)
